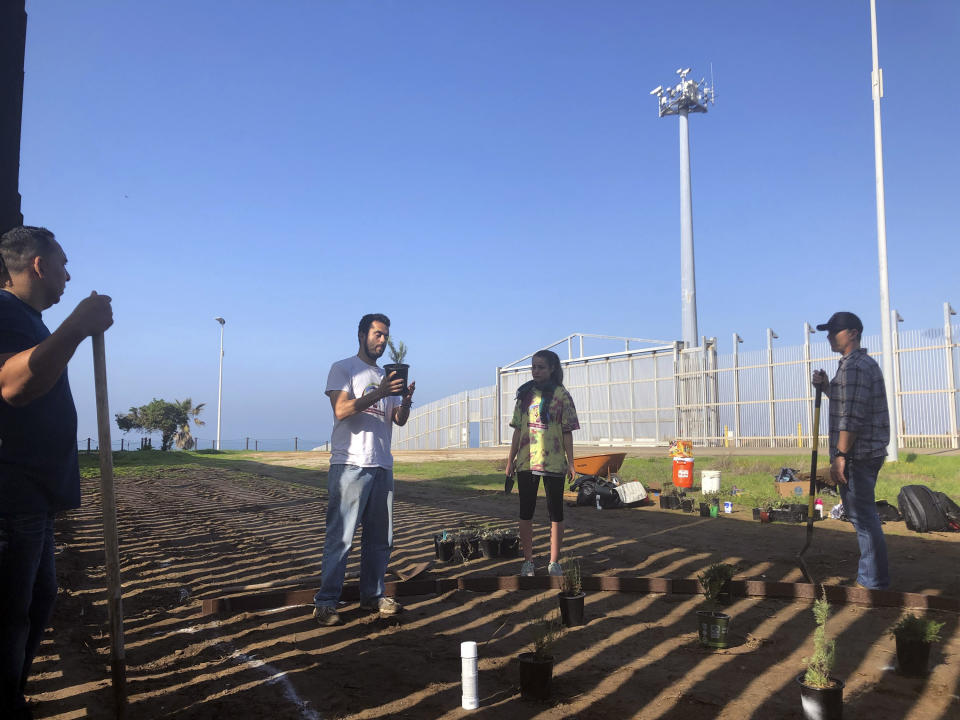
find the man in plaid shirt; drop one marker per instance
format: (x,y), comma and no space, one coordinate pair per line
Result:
(859,433)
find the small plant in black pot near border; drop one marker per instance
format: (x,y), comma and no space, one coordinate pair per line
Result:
(536,668)
(821,694)
(571,595)
(490,541)
(398,353)
(914,636)
(713,625)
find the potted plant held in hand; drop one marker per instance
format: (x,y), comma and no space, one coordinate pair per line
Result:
(398,353)
(536,668)
(821,694)
(914,636)
(713,625)
(571,592)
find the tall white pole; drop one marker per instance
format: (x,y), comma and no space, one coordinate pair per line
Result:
(688,283)
(220,385)
(877,82)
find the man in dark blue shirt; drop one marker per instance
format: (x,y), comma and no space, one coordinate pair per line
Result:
(39,475)
(859,433)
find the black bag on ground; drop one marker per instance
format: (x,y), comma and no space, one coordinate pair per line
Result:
(926,510)
(589,486)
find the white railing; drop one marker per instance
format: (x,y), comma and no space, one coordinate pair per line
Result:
(754,398)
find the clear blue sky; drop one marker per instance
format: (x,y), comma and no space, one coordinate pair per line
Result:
(492,175)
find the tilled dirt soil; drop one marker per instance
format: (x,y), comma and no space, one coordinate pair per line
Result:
(191,533)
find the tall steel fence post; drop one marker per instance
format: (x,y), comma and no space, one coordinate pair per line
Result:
(951,375)
(897,423)
(736,389)
(496,410)
(770,390)
(808,383)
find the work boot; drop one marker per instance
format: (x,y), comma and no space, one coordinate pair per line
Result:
(326,616)
(383,605)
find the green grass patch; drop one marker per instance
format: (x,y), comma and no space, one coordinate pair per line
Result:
(753,474)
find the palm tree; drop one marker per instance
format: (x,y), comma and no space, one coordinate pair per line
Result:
(183,438)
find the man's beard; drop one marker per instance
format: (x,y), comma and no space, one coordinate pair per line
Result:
(373,353)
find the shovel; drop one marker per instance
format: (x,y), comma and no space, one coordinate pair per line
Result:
(813,488)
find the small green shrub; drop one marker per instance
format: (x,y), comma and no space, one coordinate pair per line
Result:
(714,578)
(820,665)
(918,629)
(546,631)
(572,583)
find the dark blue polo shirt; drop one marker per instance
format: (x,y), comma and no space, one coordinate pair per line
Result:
(39,471)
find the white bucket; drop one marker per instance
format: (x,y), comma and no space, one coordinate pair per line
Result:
(710,481)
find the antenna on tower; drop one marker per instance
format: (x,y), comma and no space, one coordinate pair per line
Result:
(713,84)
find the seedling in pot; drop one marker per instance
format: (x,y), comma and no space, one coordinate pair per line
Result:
(917,629)
(820,664)
(914,636)
(572,582)
(712,625)
(398,352)
(546,630)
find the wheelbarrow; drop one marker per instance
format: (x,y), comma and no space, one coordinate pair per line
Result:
(601,465)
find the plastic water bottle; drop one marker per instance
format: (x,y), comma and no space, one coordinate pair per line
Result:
(597,496)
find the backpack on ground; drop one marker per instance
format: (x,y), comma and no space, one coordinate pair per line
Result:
(926,510)
(588,487)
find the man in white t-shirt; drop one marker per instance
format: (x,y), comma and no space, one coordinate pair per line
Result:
(365,403)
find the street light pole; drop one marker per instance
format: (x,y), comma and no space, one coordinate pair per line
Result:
(688,96)
(876,78)
(220,386)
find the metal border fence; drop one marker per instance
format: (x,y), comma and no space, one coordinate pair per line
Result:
(757,398)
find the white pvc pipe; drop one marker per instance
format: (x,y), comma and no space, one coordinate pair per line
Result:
(468,675)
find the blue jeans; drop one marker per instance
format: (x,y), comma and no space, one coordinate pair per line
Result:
(356,495)
(28,589)
(859,503)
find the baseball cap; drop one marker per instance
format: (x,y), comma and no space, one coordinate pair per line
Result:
(842,321)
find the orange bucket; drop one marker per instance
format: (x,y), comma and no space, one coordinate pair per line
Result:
(683,472)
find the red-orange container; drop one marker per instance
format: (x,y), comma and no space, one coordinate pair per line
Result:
(683,472)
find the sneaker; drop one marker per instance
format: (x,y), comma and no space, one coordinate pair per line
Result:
(326,616)
(526,570)
(383,605)
(554,569)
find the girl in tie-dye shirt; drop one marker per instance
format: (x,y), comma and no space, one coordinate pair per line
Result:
(544,419)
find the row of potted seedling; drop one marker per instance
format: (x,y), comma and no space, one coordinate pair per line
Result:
(469,543)
(677,499)
(821,693)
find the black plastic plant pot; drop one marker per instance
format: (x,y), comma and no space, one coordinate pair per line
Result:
(490,547)
(470,548)
(401,371)
(669,502)
(436,546)
(535,676)
(571,609)
(712,628)
(913,657)
(821,703)
(445,550)
(704,510)
(510,547)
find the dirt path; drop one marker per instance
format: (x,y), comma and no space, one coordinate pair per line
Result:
(188,533)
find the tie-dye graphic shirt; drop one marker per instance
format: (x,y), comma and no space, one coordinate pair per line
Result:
(541,444)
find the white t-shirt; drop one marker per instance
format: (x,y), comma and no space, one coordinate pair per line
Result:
(362,439)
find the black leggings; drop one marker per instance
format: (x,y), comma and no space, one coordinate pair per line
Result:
(527,486)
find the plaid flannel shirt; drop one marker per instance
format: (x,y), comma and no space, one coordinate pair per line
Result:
(858,403)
